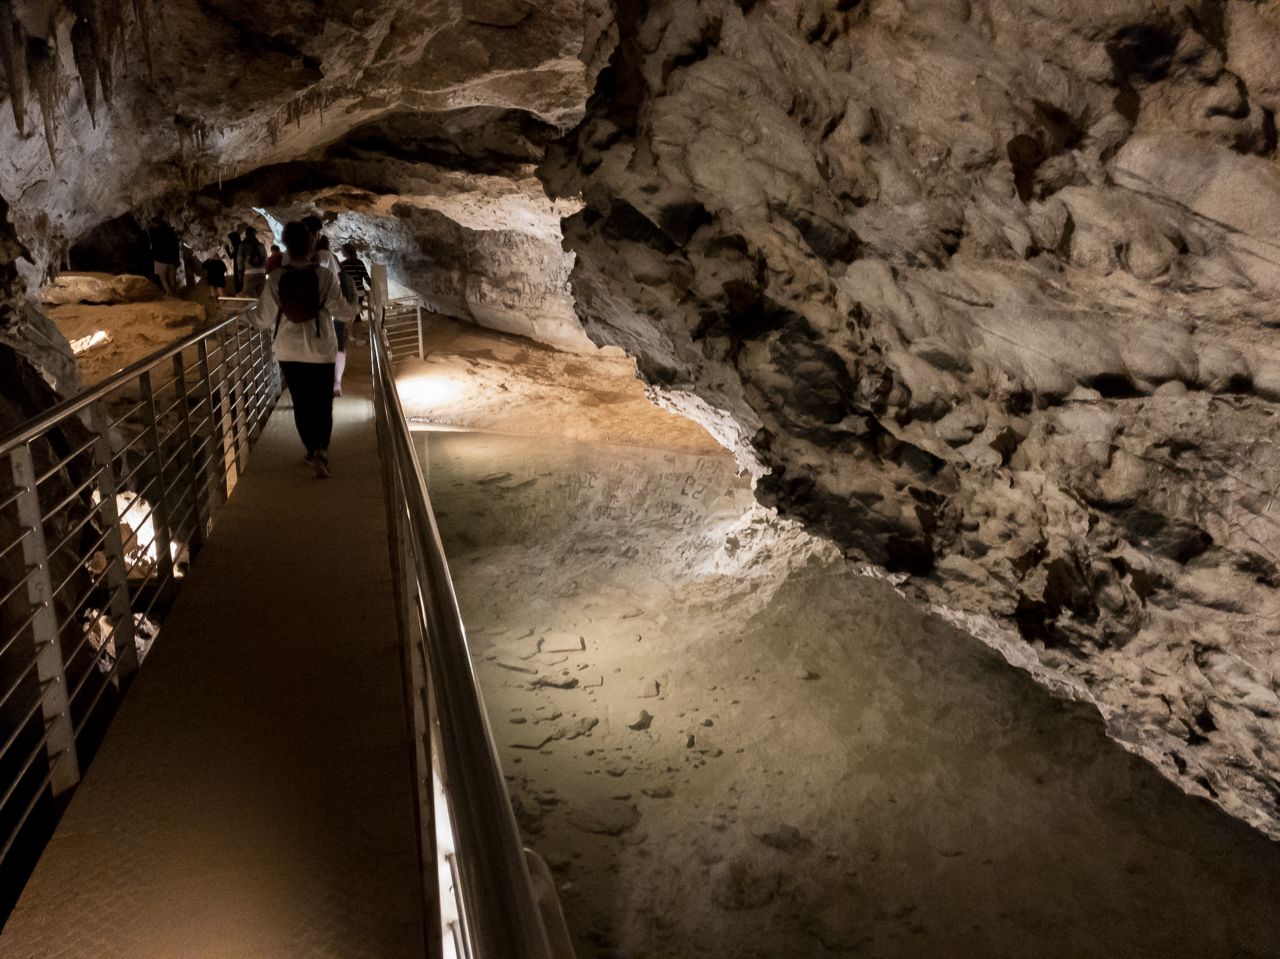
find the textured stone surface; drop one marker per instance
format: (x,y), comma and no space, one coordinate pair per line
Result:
(984,292)
(99,288)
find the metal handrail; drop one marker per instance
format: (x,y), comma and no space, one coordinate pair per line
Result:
(103,503)
(502,916)
(59,412)
(401,323)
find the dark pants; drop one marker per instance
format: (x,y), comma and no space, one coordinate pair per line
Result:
(340,328)
(311,386)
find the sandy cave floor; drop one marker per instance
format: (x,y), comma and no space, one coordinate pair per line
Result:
(135,329)
(819,769)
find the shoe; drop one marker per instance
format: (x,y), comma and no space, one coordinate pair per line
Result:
(322,464)
(309,459)
(337,391)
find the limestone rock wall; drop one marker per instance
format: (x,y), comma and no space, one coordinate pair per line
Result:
(985,292)
(111,109)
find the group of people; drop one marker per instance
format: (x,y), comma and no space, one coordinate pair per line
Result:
(249,258)
(307,301)
(250,264)
(306,297)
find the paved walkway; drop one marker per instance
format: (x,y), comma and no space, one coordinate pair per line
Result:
(253,797)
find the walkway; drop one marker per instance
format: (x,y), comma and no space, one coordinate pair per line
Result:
(254,797)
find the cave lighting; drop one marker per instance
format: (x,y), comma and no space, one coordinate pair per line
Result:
(86,343)
(277,228)
(431,391)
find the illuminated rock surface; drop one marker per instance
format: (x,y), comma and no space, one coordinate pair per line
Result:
(986,294)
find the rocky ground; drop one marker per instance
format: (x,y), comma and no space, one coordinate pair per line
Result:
(480,379)
(112,321)
(729,742)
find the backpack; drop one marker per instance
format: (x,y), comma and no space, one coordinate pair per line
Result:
(257,254)
(298,291)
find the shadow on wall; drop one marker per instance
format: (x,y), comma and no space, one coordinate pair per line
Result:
(116,246)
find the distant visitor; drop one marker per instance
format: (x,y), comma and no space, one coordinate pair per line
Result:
(164,253)
(300,305)
(252,260)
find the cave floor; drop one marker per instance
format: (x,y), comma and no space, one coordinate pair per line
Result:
(819,768)
(135,330)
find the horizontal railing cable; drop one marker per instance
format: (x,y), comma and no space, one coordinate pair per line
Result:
(101,495)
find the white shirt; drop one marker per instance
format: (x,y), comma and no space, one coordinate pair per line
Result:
(326,259)
(299,342)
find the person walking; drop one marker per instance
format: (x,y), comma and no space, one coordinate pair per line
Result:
(252,260)
(320,246)
(326,260)
(354,267)
(164,253)
(358,274)
(233,252)
(215,274)
(300,303)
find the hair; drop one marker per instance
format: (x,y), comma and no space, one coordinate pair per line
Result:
(250,233)
(313,224)
(348,250)
(275,248)
(297,239)
(322,242)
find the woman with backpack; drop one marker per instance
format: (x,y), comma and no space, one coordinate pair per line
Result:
(299,304)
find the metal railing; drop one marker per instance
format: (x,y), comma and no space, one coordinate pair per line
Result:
(104,500)
(402,326)
(479,897)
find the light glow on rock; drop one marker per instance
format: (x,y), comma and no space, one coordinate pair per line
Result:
(430,391)
(86,343)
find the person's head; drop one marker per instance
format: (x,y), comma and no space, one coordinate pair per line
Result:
(313,224)
(241,227)
(349,250)
(322,242)
(297,240)
(250,233)
(158,220)
(274,248)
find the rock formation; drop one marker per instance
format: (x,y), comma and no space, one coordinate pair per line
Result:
(982,291)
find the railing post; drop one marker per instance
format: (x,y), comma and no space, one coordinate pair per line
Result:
(60,746)
(159,506)
(188,447)
(217,448)
(421,352)
(113,547)
(227,416)
(239,406)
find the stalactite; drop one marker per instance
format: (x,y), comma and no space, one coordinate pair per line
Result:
(32,60)
(84,47)
(142,13)
(42,64)
(13,46)
(109,37)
